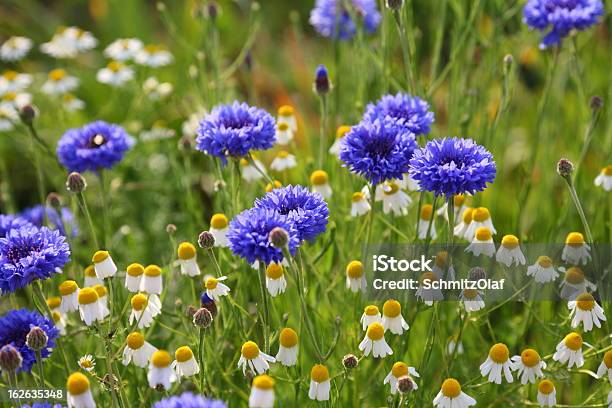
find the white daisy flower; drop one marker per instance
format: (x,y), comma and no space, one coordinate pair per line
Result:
(283,161)
(480,218)
(359,204)
(144,309)
(543,270)
(153,56)
(89,306)
(569,351)
(185,364)
(87,362)
(67,42)
(262,392)
(320,183)
(15,48)
(606,366)
(392,318)
(115,74)
(451,396)
(69,291)
(337,145)
(156,90)
(428,291)
(482,243)
(123,49)
(151,280)
(253,358)
(604,178)
(574,283)
(158,131)
(547,395)
(394,199)
(408,183)
(252,171)
(59,82)
(160,372)
(137,350)
(275,279)
(60,322)
(103,264)
(133,276)
(355,277)
(461,229)
(576,251)
(425,218)
(215,289)
(320,383)
(472,300)
(584,309)
(443,268)
(288,347)
(458,206)
(91,279)
(370,315)
(102,300)
(284,134)
(187,257)
(452,344)
(286,114)
(497,362)
(374,342)
(54,303)
(13,81)
(8,117)
(79,392)
(218,228)
(509,252)
(15,100)
(71,103)
(528,366)
(399,370)
(191,125)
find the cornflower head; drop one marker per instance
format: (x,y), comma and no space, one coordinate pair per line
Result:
(331,19)
(407,111)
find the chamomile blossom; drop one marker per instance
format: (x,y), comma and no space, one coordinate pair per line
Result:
(15,100)
(15,48)
(320,383)
(123,49)
(472,300)
(497,363)
(604,178)
(443,267)
(89,306)
(576,251)
(337,145)
(283,133)
(528,366)
(392,318)
(185,364)
(54,303)
(286,114)
(59,321)
(359,204)
(90,277)
(156,90)
(569,351)
(103,300)
(252,171)
(262,392)
(103,264)
(253,358)
(400,369)
(320,183)
(137,350)
(133,275)
(288,347)
(482,243)
(575,283)
(451,396)
(87,363)
(79,392)
(8,118)
(394,199)
(215,288)
(144,309)
(370,315)
(71,103)
(218,228)
(461,229)
(59,82)
(151,280)
(547,394)
(67,42)
(69,291)
(584,309)
(13,81)
(481,217)
(458,207)
(187,259)
(374,342)
(509,252)
(160,372)
(115,74)
(543,270)
(606,366)
(427,218)
(427,291)
(355,277)
(283,161)
(153,55)
(275,279)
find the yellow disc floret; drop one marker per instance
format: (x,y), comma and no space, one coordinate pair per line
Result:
(288,337)
(318,178)
(467,215)
(263,382)
(470,294)
(135,340)
(319,373)
(585,301)
(451,388)
(54,302)
(483,234)
(442,259)
(135,269)
(573,341)
(574,275)
(371,310)
(399,369)
(218,221)
(426,212)
(183,354)
(274,271)
(161,359)
(458,200)
(283,154)
(139,302)
(530,358)
(87,296)
(77,384)
(57,74)
(607,171)
(376,331)
(286,110)
(249,350)
(544,261)
(428,277)
(510,241)
(357,197)
(282,126)
(499,353)
(354,270)
(390,188)
(152,270)
(608,359)
(186,250)
(342,131)
(480,214)
(68,287)
(211,283)
(99,256)
(392,308)
(100,290)
(270,187)
(574,239)
(546,387)
(90,271)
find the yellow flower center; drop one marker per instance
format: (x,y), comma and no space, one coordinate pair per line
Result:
(277,184)
(283,126)
(186,250)
(10,75)
(607,171)
(152,270)
(318,178)
(399,369)
(57,74)
(250,350)
(218,221)
(211,283)
(68,287)
(371,310)
(114,66)
(9,96)
(573,341)
(139,302)
(319,373)
(467,215)
(354,270)
(244,162)
(442,259)
(161,359)
(426,212)
(428,277)
(530,358)
(544,261)
(357,196)
(283,154)
(451,388)
(510,241)
(470,294)
(481,214)
(152,48)
(183,354)
(376,331)
(483,234)
(100,290)
(458,200)
(87,363)
(90,271)
(99,256)
(390,188)
(585,302)
(288,337)
(574,239)
(87,296)
(77,384)
(546,387)
(608,359)
(392,308)
(135,340)
(274,271)
(54,302)
(286,110)
(499,353)
(56,317)
(263,382)
(342,131)
(135,269)
(574,275)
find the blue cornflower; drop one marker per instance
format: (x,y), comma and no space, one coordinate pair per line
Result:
(378,150)
(62,220)
(249,232)
(29,253)
(562,16)
(95,146)
(189,400)
(9,222)
(15,326)
(408,111)
(307,211)
(452,166)
(42,405)
(332,20)
(234,130)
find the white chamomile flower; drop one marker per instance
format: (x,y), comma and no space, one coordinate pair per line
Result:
(54,303)
(67,42)
(472,300)
(374,342)
(408,183)
(509,252)
(458,206)
(576,251)
(91,279)
(262,392)
(153,55)
(59,82)
(370,315)
(15,48)
(15,100)
(102,300)
(275,279)
(89,306)
(187,259)
(133,275)
(160,370)
(359,204)
(320,183)
(215,288)
(569,351)
(79,392)
(151,280)
(158,131)
(547,395)
(355,277)
(461,229)
(191,125)
(144,309)
(288,347)
(286,114)
(71,103)
(156,90)
(137,350)
(394,199)
(482,243)
(497,363)
(480,218)
(426,218)
(185,364)
(283,161)
(452,345)
(8,118)
(13,81)
(543,270)
(103,264)
(429,291)
(451,396)
(252,171)
(284,134)
(253,358)
(59,321)
(604,178)
(443,267)
(574,283)
(606,366)
(528,366)
(585,310)
(392,318)
(337,145)
(320,384)
(69,291)
(218,228)
(123,49)
(399,370)
(115,74)
(87,362)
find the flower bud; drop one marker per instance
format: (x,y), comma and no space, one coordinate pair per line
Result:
(206,240)
(185,143)
(212,10)
(202,318)
(322,85)
(565,168)
(596,102)
(278,237)
(10,358)
(404,384)
(350,361)
(27,114)
(190,311)
(477,273)
(36,339)
(76,183)
(395,4)
(171,229)
(54,200)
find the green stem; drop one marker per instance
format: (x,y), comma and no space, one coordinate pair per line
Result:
(266,312)
(401,29)
(106,227)
(322,130)
(576,200)
(41,371)
(85,208)
(201,358)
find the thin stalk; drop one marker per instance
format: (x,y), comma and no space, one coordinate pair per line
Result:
(41,371)
(578,205)
(450,208)
(401,29)
(322,130)
(371,218)
(85,208)
(201,358)
(106,228)
(266,313)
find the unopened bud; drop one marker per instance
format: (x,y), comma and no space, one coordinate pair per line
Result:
(185,143)
(171,229)
(10,358)
(350,361)
(322,85)
(202,318)
(27,114)
(54,200)
(596,102)
(405,384)
(206,240)
(278,237)
(395,4)
(37,339)
(565,168)
(76,183)
(477,273)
